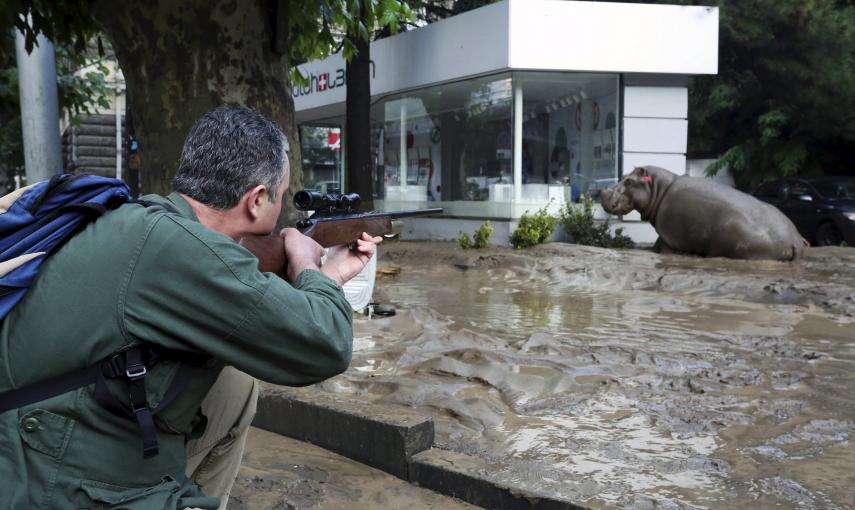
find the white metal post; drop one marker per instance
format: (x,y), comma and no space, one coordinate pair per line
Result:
(518,139)
(118,108)
(403,146)
(39,109)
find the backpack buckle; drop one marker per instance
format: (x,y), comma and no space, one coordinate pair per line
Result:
(135,371)
(114,366)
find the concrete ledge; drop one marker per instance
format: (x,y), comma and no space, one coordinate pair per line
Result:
(383,439)
(396,441)
(469,478)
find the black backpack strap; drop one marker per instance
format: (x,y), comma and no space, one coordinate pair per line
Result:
(135,372)
(132,366)
(48,388)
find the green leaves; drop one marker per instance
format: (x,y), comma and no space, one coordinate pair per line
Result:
(782,102)
(724,96)
(480,239)
(533,229)
(464,241)
(578,221)
(790,157)
(81,94)
(67,22)
(771,125)
(319,28)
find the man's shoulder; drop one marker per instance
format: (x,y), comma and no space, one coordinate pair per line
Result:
(176,235)
(170,236)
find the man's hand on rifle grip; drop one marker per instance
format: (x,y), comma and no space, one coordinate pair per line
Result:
(343,262)
(301,253)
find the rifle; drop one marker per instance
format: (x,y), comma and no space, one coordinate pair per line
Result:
(333,223)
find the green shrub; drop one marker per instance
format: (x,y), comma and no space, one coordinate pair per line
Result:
(578,222)
(619,240)
(481,236)
(480,239)
(533,229)
(464,241)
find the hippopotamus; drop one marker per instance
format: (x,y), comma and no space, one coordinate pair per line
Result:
(695,215)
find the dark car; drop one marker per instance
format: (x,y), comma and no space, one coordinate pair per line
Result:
(822,208)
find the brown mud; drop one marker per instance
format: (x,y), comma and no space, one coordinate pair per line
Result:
(624,379)
(278,473)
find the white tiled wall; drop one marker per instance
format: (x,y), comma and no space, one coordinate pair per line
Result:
(655,127)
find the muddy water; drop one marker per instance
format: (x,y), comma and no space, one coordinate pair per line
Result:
(625,379)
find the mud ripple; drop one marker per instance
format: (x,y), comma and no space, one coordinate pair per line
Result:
(625,379)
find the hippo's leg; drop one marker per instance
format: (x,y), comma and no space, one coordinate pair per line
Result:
(660,247)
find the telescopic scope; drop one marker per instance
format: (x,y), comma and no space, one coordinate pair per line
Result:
(308,200)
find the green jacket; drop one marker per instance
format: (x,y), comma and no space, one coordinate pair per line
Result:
(144,274)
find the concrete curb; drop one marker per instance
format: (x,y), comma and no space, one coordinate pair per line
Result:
(470,478)
(386,441)
(396,441)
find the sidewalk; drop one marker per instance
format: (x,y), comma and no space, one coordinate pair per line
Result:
(282,473)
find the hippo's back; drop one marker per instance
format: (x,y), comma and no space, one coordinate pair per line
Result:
(743,226)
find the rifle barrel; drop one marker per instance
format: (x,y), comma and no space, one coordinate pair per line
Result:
(420,212)
(377,214)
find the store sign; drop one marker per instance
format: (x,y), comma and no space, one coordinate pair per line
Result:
(334,140)
(323,82)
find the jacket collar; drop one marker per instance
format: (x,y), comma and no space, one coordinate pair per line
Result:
(183,207)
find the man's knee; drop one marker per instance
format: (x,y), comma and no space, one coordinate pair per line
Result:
(230,407)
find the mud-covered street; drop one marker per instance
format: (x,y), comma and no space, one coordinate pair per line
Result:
(624,379)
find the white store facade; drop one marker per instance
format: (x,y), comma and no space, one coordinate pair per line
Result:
(515,106)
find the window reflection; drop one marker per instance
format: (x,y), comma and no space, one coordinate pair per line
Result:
(453,144)
(569,135)
(321,150)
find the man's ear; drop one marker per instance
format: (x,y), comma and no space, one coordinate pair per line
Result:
(255,199)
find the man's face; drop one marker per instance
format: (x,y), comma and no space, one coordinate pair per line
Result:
(271,210)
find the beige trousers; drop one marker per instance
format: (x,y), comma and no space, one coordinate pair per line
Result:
(213,460)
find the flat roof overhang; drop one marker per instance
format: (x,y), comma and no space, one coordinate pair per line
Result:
(532,35)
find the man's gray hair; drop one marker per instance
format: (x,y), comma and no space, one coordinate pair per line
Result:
(229,151)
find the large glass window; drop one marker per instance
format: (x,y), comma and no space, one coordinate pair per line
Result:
(569,136)
(453,145)
(450,145)
(322,163)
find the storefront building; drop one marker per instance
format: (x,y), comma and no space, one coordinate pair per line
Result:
(515,106)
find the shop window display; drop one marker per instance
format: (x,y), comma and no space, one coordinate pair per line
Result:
(569,135)
(450,144)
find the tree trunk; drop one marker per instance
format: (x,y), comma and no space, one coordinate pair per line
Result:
(182,59)
(358,125)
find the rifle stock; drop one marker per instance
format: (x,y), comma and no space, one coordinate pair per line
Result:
(327,231)
(345,231)
(270,249)
(270,252)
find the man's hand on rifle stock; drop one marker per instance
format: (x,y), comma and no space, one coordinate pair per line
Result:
(301,253)
(342,262)
(345,262)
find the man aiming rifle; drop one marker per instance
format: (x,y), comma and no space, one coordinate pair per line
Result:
(334,222)
(178,320)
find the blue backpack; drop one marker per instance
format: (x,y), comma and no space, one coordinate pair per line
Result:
(35,221)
